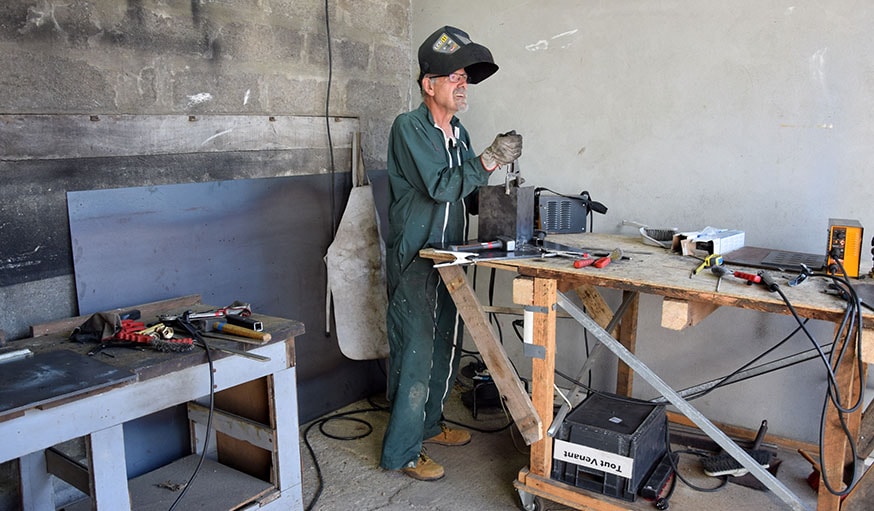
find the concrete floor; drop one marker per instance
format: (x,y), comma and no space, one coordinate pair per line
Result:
(480,475)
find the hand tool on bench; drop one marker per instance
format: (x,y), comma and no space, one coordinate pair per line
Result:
(185,322)
(585,261)
(234,351)
(502,243)
(604,261)
(720,272)
(461,258)
(202,321)
(240,331)
(708,262)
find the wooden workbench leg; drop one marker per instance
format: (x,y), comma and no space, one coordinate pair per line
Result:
(543,372)
(628,338)
(835,444)
(476,323)
(287,450)
(109,489)
(36,482)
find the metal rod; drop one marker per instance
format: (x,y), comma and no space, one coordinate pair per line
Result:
(752,372)
(759,472)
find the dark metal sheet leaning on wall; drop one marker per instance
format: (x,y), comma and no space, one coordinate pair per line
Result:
(44,156)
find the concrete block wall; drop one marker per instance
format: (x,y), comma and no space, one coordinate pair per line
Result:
(251,57)
(209,56)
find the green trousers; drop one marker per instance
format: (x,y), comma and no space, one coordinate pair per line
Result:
(425,338)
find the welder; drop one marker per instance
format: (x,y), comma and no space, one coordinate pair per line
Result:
(434,175)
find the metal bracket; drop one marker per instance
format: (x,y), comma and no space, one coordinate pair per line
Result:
(534,351)
(537,308)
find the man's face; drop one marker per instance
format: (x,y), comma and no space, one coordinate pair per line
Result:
(450,91)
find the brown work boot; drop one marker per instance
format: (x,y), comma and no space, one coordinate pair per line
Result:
(424,469)
(450,437)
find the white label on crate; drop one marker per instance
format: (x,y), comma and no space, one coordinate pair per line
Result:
(596,459)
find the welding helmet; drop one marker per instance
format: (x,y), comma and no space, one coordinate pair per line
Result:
(449,49)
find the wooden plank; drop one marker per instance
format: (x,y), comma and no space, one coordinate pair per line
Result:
(679,314)
(567,495)
(868,345)
(518,403)
(66,326)
(67,469)
(862,496)
(595,305)
(241,428)
(543,370)
(866,432)
(88,136)
(744,433)
(217,487)
(108,469)
(628,338)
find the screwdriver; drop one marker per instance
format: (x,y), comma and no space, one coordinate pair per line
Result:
(719,271)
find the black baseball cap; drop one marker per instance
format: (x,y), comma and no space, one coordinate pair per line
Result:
(449,49)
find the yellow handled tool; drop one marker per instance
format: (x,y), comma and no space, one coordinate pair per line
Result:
(242,332)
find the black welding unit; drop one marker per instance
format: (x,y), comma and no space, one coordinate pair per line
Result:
(559,214)
(611,445)
(515,212)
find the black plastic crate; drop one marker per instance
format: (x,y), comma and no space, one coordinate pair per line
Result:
(604,431)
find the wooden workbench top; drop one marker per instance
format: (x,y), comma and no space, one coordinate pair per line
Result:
(148,363)
(658,271)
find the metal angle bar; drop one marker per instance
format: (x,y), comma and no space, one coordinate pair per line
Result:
(752,372)
(759,472)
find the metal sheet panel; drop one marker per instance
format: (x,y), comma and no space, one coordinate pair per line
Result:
(261,241)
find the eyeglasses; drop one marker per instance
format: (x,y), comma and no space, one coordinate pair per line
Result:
(454,77)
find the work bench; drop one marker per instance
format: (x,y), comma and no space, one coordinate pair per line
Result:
(541,286)
(253,455)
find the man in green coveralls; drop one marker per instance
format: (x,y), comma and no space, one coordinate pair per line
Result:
(434,175)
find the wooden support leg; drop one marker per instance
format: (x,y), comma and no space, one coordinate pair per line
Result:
(494,356)
(628,338)
(543,371)
(835,443)
(108,469)
(36,483)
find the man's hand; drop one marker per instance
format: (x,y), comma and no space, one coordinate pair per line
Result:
(505,149)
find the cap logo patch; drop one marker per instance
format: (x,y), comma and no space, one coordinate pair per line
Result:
(445,44)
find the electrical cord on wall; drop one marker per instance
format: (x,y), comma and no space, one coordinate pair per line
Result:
(328,120)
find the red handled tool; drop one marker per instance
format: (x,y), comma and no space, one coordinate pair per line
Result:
(604,261)
(751,278)
(582,263)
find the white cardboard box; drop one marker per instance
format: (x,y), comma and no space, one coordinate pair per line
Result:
(709,240)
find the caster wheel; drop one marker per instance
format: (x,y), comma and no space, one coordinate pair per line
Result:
(529,502)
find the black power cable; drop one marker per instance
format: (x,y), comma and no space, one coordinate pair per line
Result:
(328,119)
(195,333)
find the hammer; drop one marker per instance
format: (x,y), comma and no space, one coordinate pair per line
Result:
(234,330)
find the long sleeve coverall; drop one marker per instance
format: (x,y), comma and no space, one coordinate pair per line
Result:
(430,176)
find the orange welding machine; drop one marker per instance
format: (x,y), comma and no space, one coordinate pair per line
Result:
(844,245)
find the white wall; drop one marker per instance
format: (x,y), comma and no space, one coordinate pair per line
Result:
(738,114)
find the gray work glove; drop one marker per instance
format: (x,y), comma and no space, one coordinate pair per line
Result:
(505,149)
